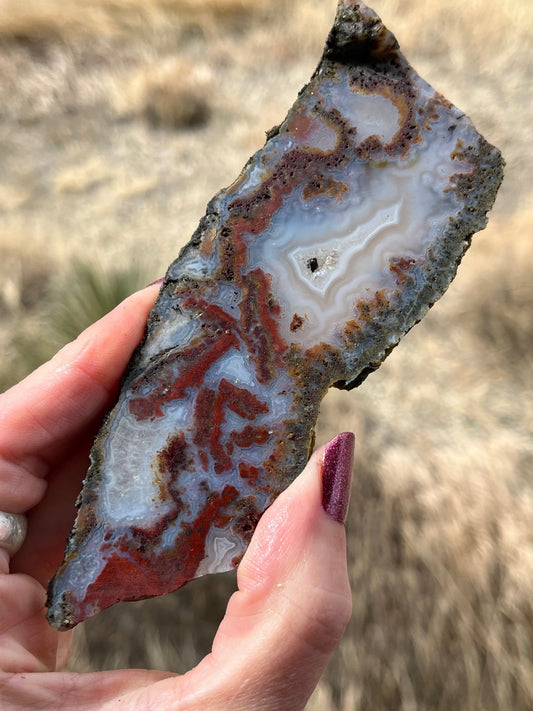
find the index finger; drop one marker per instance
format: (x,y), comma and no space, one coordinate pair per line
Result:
(42,415)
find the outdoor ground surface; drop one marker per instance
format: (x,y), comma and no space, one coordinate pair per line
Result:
(119,119)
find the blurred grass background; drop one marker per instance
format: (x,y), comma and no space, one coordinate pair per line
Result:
(119,119)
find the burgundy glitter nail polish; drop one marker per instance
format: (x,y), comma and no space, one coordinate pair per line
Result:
(337,464)
(157,281)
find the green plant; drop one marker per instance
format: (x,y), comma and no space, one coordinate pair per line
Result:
(72,302)
(86,293)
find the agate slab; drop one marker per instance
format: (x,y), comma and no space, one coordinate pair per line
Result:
(334,241)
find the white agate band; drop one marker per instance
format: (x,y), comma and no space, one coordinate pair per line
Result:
(13,529)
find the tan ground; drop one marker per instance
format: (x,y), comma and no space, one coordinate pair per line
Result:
(109,154)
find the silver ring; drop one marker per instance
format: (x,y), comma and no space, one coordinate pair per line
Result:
(13,529)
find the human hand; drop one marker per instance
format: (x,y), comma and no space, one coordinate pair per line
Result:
(280,627)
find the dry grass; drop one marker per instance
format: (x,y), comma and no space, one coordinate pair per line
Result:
(67,18)
(440,542)
(441,548)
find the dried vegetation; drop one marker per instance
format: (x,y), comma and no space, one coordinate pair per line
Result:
(118,121)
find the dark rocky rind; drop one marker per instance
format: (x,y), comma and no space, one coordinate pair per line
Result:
(358,36)
(478,193)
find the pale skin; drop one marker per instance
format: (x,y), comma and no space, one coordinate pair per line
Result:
(281,626)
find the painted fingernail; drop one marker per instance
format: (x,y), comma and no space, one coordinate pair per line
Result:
(157,281)
(337,464)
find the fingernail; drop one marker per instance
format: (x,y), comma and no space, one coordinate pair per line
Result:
(337,464)
(157,281)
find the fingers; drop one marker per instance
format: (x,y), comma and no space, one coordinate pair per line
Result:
(42,417)
(27,642)
(279,630)
(293,601)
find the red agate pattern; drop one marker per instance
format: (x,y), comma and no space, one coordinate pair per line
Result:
(333,242)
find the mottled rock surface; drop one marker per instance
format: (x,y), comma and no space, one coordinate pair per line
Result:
(333,242)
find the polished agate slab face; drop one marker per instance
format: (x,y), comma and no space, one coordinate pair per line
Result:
(333,242)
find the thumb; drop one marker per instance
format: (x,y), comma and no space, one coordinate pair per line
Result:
(294,599)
